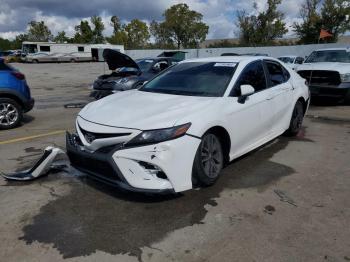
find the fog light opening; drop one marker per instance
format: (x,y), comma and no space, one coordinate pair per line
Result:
(152,169)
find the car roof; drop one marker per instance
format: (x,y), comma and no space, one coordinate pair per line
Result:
(236,59)
(288,56)
(334,49)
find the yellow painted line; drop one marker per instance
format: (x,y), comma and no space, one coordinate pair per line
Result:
(21,139)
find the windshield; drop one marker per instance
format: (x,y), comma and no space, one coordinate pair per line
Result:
(287,60)
(194,79)
(145,64)
(341,56)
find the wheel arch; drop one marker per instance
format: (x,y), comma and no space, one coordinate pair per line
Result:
(13,97)
(224,138)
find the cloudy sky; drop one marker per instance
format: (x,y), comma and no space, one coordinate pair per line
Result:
(65,14)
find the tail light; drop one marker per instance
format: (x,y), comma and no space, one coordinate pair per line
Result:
(18,75)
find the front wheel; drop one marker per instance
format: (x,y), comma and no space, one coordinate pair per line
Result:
(10,113)
(208,162)
(296,120)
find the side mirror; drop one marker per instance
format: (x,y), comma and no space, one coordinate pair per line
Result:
(246,90)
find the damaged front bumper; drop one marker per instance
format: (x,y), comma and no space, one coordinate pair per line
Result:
(160,168)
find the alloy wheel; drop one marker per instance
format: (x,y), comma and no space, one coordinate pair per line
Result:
(211,156)
(8,114)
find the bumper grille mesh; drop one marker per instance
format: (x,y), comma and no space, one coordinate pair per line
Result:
(92,165)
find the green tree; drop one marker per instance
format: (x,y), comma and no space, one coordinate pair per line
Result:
(137,33)
(38,31)
(162,36)
(263,28)
(182,26)
(17,42)
(61,37)
(83,33)
(97,32)
(5,44)
(118,38)
(309,29)
(116,23)
(333,16)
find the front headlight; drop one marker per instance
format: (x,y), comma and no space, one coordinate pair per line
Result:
(159,135)
(345,77)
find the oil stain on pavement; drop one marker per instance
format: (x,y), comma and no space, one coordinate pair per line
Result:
(97,217)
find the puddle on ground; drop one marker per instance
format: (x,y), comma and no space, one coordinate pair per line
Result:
(94,216)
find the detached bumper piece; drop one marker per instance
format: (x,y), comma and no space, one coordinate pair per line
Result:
(41,167)
(99,165)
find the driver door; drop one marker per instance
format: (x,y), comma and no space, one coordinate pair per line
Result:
(250,122)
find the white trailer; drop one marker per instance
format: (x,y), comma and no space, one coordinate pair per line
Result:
(93,51)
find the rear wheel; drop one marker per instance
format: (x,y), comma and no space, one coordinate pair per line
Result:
(297,119)
(209,161)
(11,113)
(35,61)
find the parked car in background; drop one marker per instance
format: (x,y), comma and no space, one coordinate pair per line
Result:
(54,58)
(254,54)
(126,73)
(179,129)
(15,97)
(327,72)
(291,60)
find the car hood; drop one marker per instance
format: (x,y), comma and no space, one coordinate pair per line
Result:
(116,60)
(342,68)
(143,110)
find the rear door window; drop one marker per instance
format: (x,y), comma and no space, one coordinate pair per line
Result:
(254,75)
(45,48)
(277,73)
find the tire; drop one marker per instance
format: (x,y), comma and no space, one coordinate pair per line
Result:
(73,60)
(347,98)
(296,120)
(35,61)
(208,162)
(11,113)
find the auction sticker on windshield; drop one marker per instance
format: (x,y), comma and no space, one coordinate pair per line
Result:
(226,64)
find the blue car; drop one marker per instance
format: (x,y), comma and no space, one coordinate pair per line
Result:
(15,98)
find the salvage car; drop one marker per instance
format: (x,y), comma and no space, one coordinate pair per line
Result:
(180,129)
(291,60)
(327,72)
(15,97)
(126,73)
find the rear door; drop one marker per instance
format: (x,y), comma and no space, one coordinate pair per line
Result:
(280,94)
(250,121)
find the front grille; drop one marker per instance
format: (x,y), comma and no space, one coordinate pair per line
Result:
(92,165)
(321,77)
(335,92)
(92,136)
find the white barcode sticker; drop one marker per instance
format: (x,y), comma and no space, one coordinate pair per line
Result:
(226,64)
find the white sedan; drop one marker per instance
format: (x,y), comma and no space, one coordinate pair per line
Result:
(180,129)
